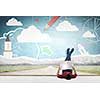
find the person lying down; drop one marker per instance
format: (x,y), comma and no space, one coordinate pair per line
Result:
(66,69)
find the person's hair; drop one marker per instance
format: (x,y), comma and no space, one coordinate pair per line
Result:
(68,77)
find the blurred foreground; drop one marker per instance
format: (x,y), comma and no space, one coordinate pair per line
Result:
(48,79)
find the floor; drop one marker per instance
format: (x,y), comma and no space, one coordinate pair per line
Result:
(48,79)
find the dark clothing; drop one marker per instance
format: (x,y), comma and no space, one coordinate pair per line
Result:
(68,58)
(69,52)
(65,73)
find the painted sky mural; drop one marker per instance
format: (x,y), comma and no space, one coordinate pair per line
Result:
(30,37)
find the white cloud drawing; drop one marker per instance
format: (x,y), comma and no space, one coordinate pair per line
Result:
(33,34)
(11,33)
(13,22)
(88,34)
(66,26)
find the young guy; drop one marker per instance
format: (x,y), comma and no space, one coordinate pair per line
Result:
(66,69)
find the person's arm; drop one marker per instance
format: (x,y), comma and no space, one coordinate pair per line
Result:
(58,70)
(58,75)
(74,70)
(75,74)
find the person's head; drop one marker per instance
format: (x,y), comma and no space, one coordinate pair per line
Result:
(68,77)
(68,54)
